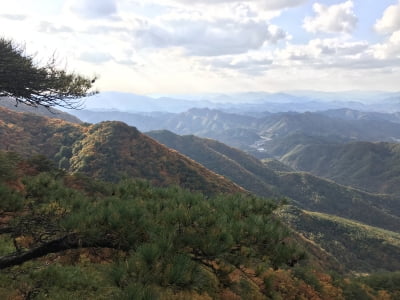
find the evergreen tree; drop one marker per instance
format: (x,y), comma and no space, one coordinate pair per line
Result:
(21,78)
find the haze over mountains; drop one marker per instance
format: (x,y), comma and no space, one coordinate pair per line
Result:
(300,101)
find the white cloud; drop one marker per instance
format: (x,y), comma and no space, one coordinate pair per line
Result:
(251,64)
(390,20)
(330,54)
(390,49)
(324,47)
(96,57)
(265,4)
(338,18)
(210,9)
(280,4)
(317,54)
(92,9)
(208,45)
(14,17)
(205,37)
(48,27)
(339,48)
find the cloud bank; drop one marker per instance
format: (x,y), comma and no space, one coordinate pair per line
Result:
(390,20)
(216,44)
(338,18)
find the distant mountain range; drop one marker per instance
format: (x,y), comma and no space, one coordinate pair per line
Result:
(350,114)
(342,144)
(299,101)
(258,134)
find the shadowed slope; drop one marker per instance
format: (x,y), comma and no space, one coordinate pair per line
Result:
(306,191)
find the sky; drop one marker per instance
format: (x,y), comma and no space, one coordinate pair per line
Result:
(214,46)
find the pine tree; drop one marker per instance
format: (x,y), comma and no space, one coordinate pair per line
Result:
(21,78)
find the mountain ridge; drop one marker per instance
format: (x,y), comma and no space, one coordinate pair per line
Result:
(84,148)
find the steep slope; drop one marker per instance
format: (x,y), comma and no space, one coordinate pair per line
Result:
(307,191)
(30,134)
(131,240)
(374,167)
(359,247)
(321,195)
(110,150)
(280,146)
(113,150)
(236,165)
(276,165)
(356,246)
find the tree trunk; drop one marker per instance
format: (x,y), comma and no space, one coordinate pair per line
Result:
(71,241)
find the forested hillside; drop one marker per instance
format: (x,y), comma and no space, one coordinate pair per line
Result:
(109,151)
(356,246)
(373,167)
(236,165)
(126,238)
(67,236)
(305,190)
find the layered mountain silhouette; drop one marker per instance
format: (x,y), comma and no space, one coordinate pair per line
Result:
(257,132)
